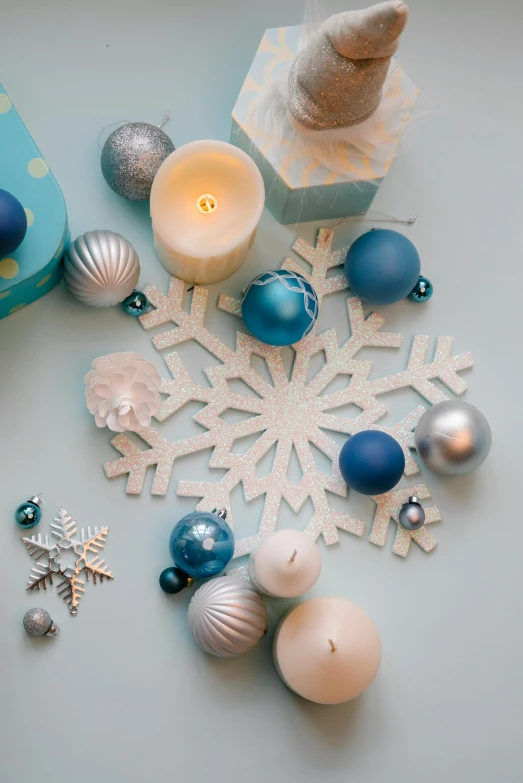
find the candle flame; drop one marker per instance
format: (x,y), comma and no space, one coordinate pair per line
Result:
(206,203)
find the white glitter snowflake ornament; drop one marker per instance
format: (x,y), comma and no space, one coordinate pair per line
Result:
(288,412)
(49,565)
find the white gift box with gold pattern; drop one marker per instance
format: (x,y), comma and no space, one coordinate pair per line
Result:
(298,187)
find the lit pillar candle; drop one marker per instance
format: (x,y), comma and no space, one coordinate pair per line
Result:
(206,202)
(327,650)
(285,564)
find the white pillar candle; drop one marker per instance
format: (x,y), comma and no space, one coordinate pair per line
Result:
(285,564)
(206,202)
(327,650)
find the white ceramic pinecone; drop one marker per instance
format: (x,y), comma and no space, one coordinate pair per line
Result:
(122,391)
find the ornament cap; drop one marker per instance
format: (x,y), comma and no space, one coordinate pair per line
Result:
(220,512)
(414,499)
(53,631)
(36,499)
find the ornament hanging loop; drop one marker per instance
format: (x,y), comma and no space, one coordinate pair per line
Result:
(378,217)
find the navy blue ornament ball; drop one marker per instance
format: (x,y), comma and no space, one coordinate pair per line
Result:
(382,266)
(372,462)
(201,544)
(172,580)
(13,223)
(280,307)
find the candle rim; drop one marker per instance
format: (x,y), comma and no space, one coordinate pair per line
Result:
(211,145)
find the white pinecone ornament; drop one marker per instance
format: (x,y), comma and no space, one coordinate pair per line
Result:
(122,391)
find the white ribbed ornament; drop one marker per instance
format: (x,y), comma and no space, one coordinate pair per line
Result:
(227,617)
(101,268)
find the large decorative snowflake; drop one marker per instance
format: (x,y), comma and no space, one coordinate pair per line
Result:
(49,560)
(289,412)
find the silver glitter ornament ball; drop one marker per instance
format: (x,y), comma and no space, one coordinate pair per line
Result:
(453,438)
(38,622)
(101,268)
(131,156)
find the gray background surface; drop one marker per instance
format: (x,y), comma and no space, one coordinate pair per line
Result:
(124,694)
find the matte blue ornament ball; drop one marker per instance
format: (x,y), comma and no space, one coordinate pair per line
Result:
(372,462)
(422,291)
(13,223)
(201,544)
(280,307)
(382,266)
(172,580)
(136,303)
(28,514)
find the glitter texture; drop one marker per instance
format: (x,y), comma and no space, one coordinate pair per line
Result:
(131,157)
(287,413)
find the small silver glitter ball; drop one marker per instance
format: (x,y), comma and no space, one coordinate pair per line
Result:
(38,622)
(131,156)
(412,515)
(453,438)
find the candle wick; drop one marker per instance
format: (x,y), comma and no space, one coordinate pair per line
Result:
(293,556)
(333,646)
(166,117)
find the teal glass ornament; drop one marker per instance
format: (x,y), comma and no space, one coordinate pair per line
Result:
(280,307)
(382,266)
(202,543)
(29,514)
(422,291)
(136,303)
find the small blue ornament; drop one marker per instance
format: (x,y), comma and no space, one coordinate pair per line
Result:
(13,223)
(136,303)
(382,266)
(372,462)
(29,514)
(202,543)
(172,580)
(280,307)
(422,291)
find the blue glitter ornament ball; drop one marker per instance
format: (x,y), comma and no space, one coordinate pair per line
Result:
(202,543)
(382,266)
(280,307)
(372,462)
(13,223)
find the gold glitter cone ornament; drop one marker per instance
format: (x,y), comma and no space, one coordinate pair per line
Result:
(337,79)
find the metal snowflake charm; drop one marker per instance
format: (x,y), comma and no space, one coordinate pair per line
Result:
(49,561)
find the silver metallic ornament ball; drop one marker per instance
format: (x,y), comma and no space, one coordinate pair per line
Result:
(453,438)
(131,156)
(412,515)
(38,622)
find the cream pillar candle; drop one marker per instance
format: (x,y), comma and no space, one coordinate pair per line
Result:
(206,202)
(285,564)
(327,650)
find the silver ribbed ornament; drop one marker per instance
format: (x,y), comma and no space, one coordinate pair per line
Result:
(131,156)
(453,438)
(227,617)
(38,622)
(101,268)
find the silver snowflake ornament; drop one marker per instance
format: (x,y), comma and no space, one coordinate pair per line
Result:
(85,546)
(287,413)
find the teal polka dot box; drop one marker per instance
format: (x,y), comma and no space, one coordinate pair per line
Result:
(34,268)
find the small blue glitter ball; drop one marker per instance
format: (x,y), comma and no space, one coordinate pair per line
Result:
(201,544)
(422,291)
(382,266)
(136,303)
(27,515)
(372,462)
(280,307)
(13,223)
